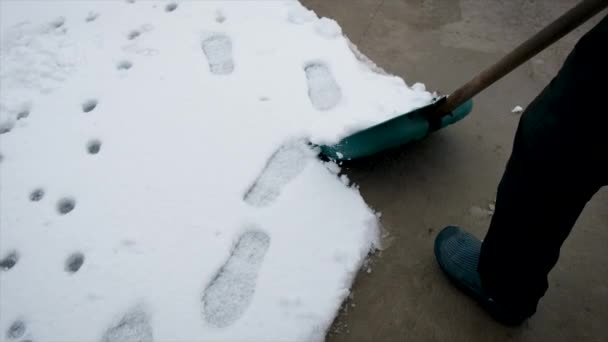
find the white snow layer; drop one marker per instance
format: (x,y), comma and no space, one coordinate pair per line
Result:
(154,180)
(517,109)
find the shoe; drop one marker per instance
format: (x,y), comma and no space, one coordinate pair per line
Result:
(457,253)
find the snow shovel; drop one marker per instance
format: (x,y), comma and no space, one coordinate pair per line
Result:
(446,110)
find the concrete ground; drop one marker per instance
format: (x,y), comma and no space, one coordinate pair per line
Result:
(451,177)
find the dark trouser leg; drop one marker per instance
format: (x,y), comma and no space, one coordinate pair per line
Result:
(559,161)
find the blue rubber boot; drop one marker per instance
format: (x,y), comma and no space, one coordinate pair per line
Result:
(457,253)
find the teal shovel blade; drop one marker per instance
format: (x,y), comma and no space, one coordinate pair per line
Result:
(395,132)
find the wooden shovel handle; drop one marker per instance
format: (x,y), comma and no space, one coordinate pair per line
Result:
(528,49)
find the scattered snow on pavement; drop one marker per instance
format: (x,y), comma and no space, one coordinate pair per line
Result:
(155,183)
(517,109)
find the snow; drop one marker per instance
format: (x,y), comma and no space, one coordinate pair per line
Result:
(517,109)
(156,182)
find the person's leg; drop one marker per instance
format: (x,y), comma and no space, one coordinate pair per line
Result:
(559,161)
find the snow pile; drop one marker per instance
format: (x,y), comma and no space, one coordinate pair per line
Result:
(155,183)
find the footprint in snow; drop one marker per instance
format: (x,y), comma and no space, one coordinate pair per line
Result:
(218,50)
(134,326)
(74,262)
(124,65)
(171,7)
(23,113)
(16,330)
(92,16)
(219,16)
(133,34)
(65,205)
(231,291)
(94,146)
(282,167)
(9,261)
(6,126)
(58,22)
(89,105)
(36,194)
(19,113)
(323,90)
